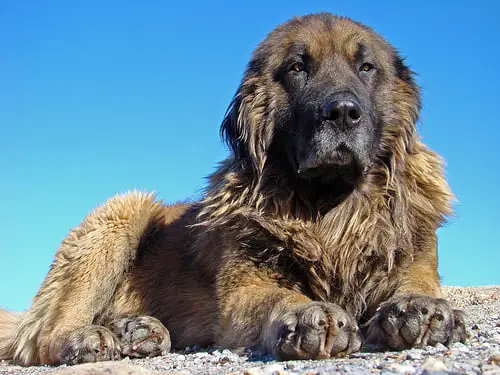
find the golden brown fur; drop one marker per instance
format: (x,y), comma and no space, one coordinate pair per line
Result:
(261,242)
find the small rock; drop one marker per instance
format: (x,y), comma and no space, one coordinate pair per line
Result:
(433,364)
(395,355)
(494,359)
(116,368)
(459,347)
(254,371)
(223,360)
(201,354)
(430,349)
(290,365)
(440,347)
(402,369)
(274,369)
(414,354)
(489,370)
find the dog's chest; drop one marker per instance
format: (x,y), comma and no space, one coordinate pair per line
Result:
(359,261)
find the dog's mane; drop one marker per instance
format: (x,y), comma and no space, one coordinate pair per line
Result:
(335,241)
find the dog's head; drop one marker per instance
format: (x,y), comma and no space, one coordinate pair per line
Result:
(327,95)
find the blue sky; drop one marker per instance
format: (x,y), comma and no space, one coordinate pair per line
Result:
(99,97)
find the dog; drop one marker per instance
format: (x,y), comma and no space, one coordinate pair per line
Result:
(316,234)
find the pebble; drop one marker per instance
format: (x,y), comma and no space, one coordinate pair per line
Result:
(274,369)
(433,364)
(254,371)
(440,347)
(201,354)
(403,369)
(494,359)
(414,354)
(490,370)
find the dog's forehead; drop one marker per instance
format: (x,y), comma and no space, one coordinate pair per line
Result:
(322,36)
(340,35)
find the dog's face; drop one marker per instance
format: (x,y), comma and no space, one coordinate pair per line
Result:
(325,84)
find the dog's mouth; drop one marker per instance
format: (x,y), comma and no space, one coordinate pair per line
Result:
(342,163)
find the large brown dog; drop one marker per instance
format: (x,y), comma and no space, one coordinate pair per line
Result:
(323,217)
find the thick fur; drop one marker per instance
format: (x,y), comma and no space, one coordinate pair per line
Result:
(263,241)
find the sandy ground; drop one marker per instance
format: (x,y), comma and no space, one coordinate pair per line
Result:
(481,354)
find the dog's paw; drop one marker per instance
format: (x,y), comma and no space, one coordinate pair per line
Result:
(415,321)
(141,336)
(90,344)
(317,330)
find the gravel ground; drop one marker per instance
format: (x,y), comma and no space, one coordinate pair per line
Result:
(481,355)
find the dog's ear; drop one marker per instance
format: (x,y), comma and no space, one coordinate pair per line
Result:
(405,74)
(402,71)
(408,106)
(248,126)
(231,132)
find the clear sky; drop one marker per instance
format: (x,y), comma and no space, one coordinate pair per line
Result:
(98,97)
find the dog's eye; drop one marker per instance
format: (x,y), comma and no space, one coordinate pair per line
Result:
(366,67)
(297,67)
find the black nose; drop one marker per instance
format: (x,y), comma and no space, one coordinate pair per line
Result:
(343,112)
